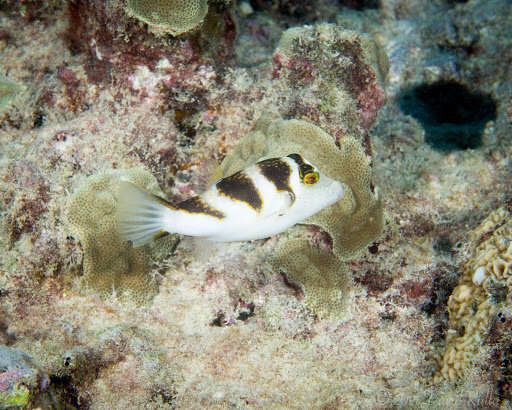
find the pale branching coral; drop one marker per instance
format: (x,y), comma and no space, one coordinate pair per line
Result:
(110,265)
(482,289)
(173,16)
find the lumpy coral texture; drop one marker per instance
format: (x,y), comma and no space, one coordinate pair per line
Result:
(110,266)
(481,295)
(397,296)
(355,220)
(174,16)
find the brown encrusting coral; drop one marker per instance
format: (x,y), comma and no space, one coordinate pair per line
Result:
(325,278)
(482,295)
(110,266)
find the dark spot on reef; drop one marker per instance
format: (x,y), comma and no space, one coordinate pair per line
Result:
(498,291)
(62,387)
(299,293)
(7,337)
(501,361)
(445,279)
(361,4)
(167,397)
(184,176)
(374,249)
(502,318)
(453,116)
(246,314)
(375,282)
(443,245)
(39,119)
(388,317)
(219,320)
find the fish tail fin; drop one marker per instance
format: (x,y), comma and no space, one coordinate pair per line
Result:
(141,215)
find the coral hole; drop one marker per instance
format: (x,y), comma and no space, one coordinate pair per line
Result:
(360,4)
(453,116)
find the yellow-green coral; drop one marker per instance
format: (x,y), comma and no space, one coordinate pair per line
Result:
(19,378)
(18,396)
(110,265)
(323,278)
(173,16)
(353,222)
(474,302)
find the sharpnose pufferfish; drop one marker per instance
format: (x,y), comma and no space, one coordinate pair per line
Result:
(261,200)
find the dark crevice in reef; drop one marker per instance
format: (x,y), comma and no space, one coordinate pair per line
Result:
(360,4)
(64,395)
(291,8)
(453,116)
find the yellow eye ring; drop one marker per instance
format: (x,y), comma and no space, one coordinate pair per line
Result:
(311,178)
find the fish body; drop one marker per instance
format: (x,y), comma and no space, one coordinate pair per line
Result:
(260,201)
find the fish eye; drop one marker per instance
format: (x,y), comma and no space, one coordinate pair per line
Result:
(311,178)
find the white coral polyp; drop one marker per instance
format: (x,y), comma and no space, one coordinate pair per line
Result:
(479,275)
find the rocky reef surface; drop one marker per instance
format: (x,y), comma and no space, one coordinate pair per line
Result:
(397,296)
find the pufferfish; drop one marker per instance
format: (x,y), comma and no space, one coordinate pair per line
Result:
(259,201)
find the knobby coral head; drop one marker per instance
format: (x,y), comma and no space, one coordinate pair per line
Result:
(172,16)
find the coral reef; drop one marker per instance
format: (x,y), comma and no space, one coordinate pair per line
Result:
(324,278)
(172,16)
(353,222)
(220,326)
(110,266)
(482,292)
(8,90)
(344,70)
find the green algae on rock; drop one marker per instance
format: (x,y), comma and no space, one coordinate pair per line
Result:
(8,90)
(172,16)
(19,378)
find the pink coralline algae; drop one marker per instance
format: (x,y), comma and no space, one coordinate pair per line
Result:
(370,100)
(338,74)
